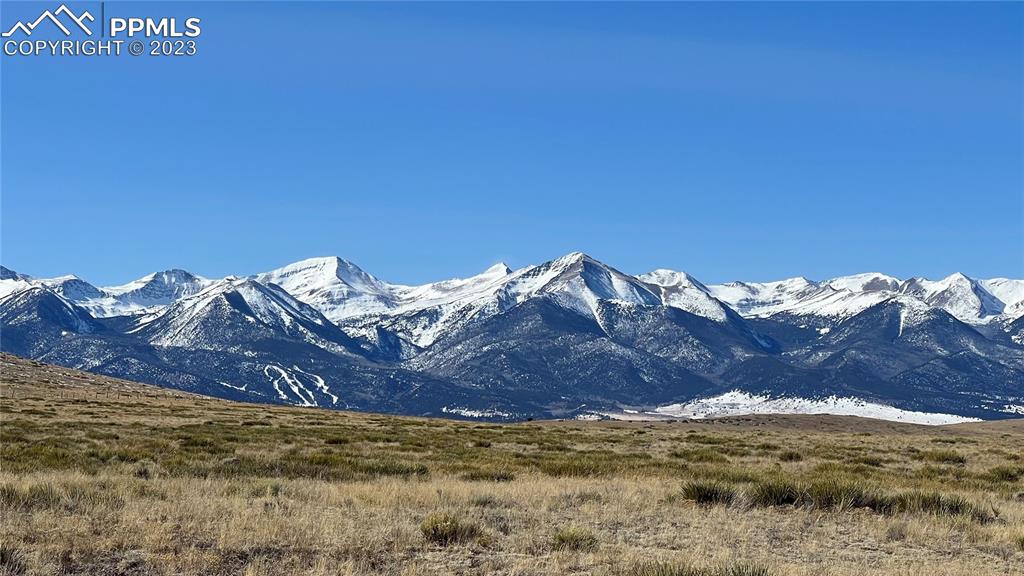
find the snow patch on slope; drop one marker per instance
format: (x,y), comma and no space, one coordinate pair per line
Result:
(1009,292)
(760,299)
(295,380)
(470,413)
(737,403)
(680,290)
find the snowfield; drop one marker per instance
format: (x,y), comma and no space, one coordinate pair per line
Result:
(738,403)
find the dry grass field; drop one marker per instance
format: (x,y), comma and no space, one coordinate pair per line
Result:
(103,477)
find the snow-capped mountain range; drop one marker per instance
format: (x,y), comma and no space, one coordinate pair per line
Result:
(569,337)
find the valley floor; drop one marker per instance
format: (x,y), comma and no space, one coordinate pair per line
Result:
(99,476)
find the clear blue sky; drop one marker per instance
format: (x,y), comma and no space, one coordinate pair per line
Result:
(733,141)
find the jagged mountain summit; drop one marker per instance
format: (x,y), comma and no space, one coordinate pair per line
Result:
(571,337)
(969,300)
(145,294)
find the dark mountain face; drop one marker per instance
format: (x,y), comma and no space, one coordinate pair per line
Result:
(565,338)
(235,356)
(555,361)
(244,316)
(8,274)
(34,320)
(701,345)
(891,338)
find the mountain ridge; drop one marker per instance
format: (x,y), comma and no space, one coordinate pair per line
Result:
(569,337)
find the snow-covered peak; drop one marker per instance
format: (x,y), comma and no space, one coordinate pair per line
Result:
(37,301)
(571,258)
(957,294)
(336,287)
(666,277)
(344,293)
(213,315)
(453,291)
(867,282)
(268,303)
(11,282)
(680,290)
(174,279)
(498,270)
(151,291)
(578,281)
(72,287)
(325,272)
(966,299)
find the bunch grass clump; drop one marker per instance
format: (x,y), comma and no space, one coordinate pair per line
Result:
(836,494)
(12,561)
(489,475)
(701,454)
(791,456)
(941,457)
(709,493)
(775,492)
(575,539)
(445,529)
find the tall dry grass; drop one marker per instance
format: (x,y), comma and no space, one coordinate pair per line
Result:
(146,483)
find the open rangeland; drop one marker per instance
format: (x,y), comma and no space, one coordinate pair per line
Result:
(99,476)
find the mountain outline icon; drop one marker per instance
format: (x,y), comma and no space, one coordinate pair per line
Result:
(27,29)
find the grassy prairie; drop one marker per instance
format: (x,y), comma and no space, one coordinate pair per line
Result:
(100,476)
